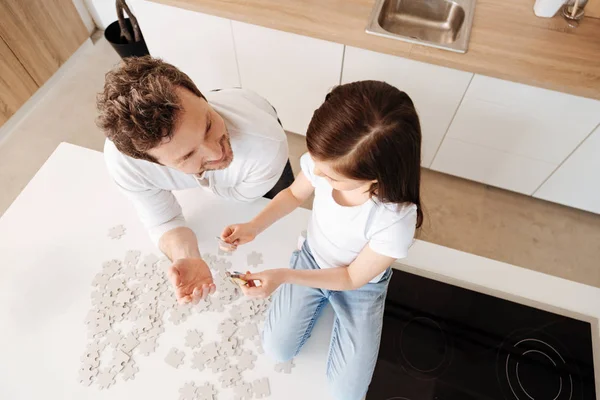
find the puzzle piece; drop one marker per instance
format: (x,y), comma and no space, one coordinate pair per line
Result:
(227,328)
(285,367)
(175,358)
(261,388)
(180,313)
(124,296)
(221,264)
(115,285)
(100,280)
(106,378)
(217,304)
(116,232)
(111,267)
(211,350)
(119,360)
(86,375)
(248,331)
(258,345)
(254,259)
(128,343)
(228,347)
(118,312)
(206,392)
(242,391)
(132,257)
(91,359)
(193,339)
(246,360)
(143,323)
(219,364)
(188,391)
(147,347)
(113,338)
(229,377)
(130,370)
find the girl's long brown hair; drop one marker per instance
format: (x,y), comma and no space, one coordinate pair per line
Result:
(370,130)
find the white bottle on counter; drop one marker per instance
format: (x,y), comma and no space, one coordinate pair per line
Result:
(547,8)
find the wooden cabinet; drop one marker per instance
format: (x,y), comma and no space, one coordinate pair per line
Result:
(200,45)
(576,183)
(436,91)
(16,85)
(41,34)
(513,136)
(293,72)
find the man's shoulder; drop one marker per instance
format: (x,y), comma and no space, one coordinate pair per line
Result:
(247,114)
(131,173)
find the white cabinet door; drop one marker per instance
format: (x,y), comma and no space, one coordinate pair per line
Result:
(577,182)
(293,72)
(436,91)
(198,44)
(538,127)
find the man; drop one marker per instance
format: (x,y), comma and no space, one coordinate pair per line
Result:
(163,134)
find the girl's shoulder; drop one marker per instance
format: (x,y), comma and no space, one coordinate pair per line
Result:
(393,210)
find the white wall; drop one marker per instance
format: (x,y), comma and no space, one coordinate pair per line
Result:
(102,11)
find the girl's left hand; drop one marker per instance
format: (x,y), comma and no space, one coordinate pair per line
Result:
(270,280)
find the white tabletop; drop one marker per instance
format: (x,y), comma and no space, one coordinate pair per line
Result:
(53,240)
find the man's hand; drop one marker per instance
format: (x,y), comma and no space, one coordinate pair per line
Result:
(191,279)
(239,233)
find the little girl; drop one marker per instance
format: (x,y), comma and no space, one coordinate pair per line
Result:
(363,164)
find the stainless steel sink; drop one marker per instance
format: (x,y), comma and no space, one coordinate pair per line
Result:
(445,24)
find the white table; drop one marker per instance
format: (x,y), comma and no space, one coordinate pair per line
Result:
(53,240)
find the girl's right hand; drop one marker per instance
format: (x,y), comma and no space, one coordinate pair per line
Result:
(238,234)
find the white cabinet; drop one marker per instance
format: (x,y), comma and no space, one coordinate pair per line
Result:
(293,72)
(198,44)
(436,91)
(513,136)
(577,182)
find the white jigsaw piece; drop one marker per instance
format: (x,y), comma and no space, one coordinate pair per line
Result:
(206,392)
(193,339)
(246,360)
(285,367)
(261,388)
(132,257)
(188,391)
(116,232)
(227,328)
(248,331)
(254,259)
(175,358)
(242,391)
(230,376)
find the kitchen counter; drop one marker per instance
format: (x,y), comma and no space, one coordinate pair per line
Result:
(53,240)
(507,40)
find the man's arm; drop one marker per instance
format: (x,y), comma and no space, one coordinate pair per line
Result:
(179,243)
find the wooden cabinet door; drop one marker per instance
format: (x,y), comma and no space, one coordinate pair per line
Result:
(41,34)
(16,86)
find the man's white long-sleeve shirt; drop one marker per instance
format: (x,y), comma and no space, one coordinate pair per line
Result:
(260,153)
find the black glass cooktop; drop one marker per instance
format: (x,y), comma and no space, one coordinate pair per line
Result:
(442,342)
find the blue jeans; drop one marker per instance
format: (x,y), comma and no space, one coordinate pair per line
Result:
(356,328)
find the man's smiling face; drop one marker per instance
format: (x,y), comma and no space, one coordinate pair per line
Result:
(200,141)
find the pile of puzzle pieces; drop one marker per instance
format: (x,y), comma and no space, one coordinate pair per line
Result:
(136,291)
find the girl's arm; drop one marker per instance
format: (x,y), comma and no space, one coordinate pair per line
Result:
(285,202)
(365,267)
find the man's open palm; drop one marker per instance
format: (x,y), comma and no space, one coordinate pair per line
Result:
(191,279)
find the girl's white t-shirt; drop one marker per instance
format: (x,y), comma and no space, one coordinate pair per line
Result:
(337,234)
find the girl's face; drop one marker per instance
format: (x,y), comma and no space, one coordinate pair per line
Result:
(337,181)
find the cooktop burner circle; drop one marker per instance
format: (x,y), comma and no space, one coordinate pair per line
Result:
(534,368)
(424,362)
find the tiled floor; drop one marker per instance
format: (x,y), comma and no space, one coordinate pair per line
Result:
(460,214)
